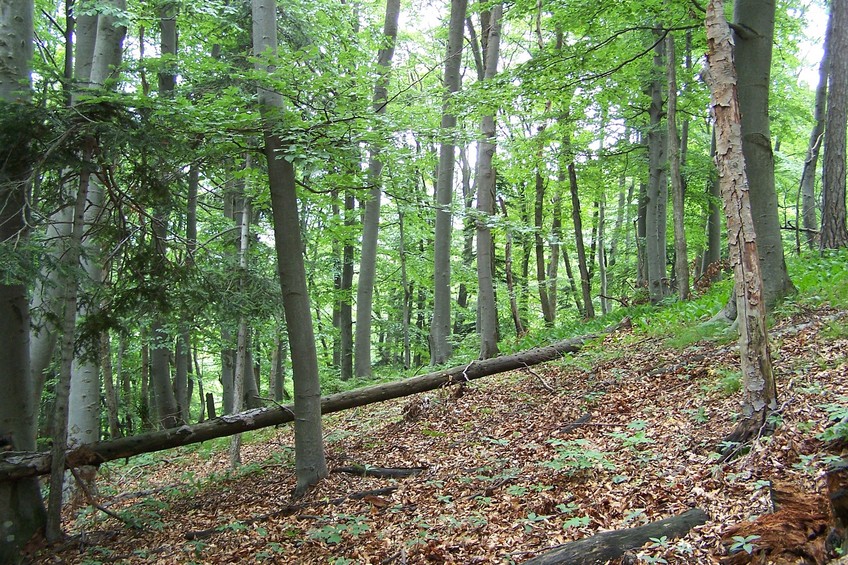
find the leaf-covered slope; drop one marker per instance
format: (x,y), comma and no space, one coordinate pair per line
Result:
(506,475)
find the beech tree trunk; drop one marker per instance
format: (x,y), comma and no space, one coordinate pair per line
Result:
(310,462)
(681,259)
(758,386)
(371,221)
(657,192)
(807,186)
(585,284)
(487,313)
(834,232)
(753,53)
(13,468)
(21,508)
(440,346)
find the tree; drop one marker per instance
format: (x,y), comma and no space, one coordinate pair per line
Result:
(753,39)
(808,175)
(487,313)
(310,463)
(440,346)
(834,233)
(21,508)
(758,385)
(681,259)
(657,190)
(371,220)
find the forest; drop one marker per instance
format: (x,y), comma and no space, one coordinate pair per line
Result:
(222,221)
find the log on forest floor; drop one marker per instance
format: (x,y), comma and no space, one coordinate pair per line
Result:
(379,472)
(612,544)
(17,465)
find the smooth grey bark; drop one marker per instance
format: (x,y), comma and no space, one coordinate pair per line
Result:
(371,219)
(406,308)
(60,432)
(167,407)
(487,312)
(681,259)
(548,313)
(109,389)
(440,345)
(21,507)
(510,278)
(807,186)
(657,190)
(241,347)
(712,253)
(310,462)
(585,282)
(602,254)
(753,38)
(834,232)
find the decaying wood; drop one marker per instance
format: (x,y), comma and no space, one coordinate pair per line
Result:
(758,385)
(612,544)
(796,532)
(379,472)
(17,465)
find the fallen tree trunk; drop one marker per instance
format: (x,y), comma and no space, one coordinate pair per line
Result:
(18,465)
(604,546)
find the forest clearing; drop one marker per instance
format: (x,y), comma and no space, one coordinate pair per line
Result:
(621,434)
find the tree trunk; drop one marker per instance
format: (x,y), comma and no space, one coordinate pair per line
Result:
(657,195)
(241,347)
(538,223)
(487,312)
(346,335)
(371,222)
(29,464)
(510,279)
(681,259)
(609,545)
(310,463)
(712,253)
(834,232)
(21,508)
(60,432)
(753,51)
(585,283)
(808,175)
(111,394)
(440,346)
(758,385)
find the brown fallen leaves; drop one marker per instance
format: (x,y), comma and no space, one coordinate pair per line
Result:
(504,476)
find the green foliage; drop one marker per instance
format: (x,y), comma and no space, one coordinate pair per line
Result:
(744,543)
(331,534)
(837,412)
(574,457)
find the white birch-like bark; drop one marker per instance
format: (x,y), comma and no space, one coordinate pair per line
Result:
(21,508)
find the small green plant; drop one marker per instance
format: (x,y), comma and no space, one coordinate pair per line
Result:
(576,456)
(331,534)
(745,544)
(699,415)
(836,412)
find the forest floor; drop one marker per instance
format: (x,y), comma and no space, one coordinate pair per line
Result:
(504,477)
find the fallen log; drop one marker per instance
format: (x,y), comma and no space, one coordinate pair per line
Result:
(379,472)
(604,546)
(18,465)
